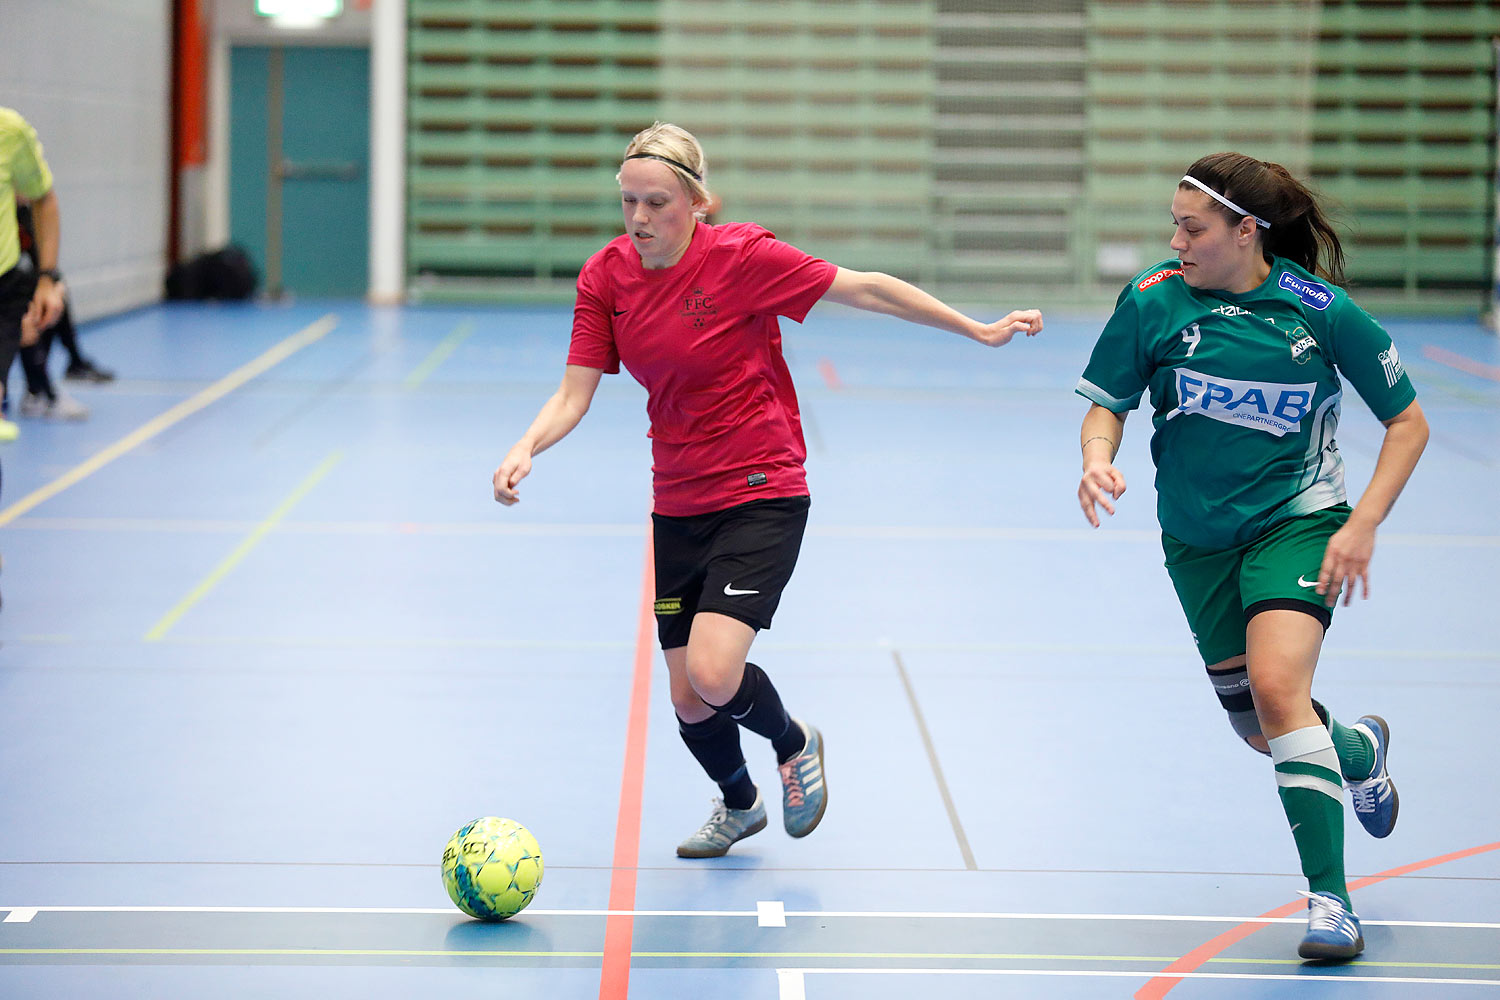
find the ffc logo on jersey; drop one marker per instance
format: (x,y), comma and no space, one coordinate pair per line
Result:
(1158,277)
(697,307)
(1391,362)
(1314,294)
(1273,407)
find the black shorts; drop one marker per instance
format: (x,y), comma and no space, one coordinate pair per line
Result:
(734,562)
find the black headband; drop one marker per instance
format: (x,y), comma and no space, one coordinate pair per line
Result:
(666,159)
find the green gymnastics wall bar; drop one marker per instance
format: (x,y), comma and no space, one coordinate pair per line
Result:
(987,148)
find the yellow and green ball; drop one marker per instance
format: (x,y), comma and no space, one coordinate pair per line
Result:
(492,868)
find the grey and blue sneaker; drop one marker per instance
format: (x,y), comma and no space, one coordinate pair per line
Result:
(1333,932)
(1375,800)
(804,794)
(724,827)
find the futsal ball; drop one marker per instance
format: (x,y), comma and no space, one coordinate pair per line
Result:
(492,867)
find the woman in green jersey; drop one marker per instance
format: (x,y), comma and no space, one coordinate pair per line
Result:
(1241,341)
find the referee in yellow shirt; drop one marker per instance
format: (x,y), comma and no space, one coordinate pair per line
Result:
(33,300)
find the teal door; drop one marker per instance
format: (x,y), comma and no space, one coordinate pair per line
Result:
(299,178)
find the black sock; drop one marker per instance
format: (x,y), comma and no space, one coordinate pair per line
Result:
(758,708)
(715,743)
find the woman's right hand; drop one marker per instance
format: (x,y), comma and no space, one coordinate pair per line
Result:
(1101,483)
(999,333)
(515,467)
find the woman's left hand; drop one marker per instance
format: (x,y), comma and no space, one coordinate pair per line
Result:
(1345,561)
(1027,321)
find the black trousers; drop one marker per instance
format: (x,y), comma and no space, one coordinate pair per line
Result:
(33,358)
(16,289)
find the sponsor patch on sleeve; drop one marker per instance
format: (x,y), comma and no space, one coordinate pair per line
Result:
(1157,278)
(1314,293)
(1390,363)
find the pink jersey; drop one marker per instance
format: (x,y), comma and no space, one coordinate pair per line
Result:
(702,337)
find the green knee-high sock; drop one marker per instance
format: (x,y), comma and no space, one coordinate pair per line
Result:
(1307,778)
(1356,752)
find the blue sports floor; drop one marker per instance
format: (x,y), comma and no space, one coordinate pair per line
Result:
(267,641)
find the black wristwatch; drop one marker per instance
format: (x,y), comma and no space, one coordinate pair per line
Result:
(51,272)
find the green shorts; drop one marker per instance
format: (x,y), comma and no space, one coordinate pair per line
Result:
(1220,590)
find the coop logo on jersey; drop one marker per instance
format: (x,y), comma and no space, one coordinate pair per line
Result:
(1274,407)
(698,308)
(1391,362)
(1158,277)
(1303,344)
(1314,294)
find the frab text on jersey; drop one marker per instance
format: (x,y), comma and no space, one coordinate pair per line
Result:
(1274,407)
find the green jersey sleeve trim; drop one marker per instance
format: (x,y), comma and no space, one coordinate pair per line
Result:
(1118,371)
(1114,404)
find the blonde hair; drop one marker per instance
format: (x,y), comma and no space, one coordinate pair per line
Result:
(675,143)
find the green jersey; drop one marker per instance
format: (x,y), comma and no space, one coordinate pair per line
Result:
(1245,394)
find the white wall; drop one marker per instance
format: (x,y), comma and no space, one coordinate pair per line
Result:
(93,77)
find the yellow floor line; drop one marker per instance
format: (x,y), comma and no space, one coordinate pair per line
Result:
(243,549)
(439,354)
(186,408)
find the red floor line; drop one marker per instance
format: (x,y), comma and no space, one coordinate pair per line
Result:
(1453,359)
(1163,984)
(614,977)
(830,374)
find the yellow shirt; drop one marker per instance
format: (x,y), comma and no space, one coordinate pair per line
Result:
(22,172)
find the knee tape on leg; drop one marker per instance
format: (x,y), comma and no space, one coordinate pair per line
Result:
(1233,689)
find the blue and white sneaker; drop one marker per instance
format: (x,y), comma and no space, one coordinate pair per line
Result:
(725,826)
(1375,800)
(1333,932)
(804,795)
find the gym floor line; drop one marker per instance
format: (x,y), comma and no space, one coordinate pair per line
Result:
(292,644)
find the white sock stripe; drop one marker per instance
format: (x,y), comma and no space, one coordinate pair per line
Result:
(1307,781)
(1300,744)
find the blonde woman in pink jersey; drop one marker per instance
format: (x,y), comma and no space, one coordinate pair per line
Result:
(691,309)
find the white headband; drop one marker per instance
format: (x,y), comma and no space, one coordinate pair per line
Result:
(1216,196)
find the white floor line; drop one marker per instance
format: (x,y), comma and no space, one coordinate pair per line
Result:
(764,911)
(791,984)
(19,916)
(1113,974)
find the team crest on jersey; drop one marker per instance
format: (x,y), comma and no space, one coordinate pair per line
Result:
(1303,344)
(698,308)
(1313,293)
(1274,407)
(1158,277)
(1391,362)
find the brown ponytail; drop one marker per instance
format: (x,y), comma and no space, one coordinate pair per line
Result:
(1299,231)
